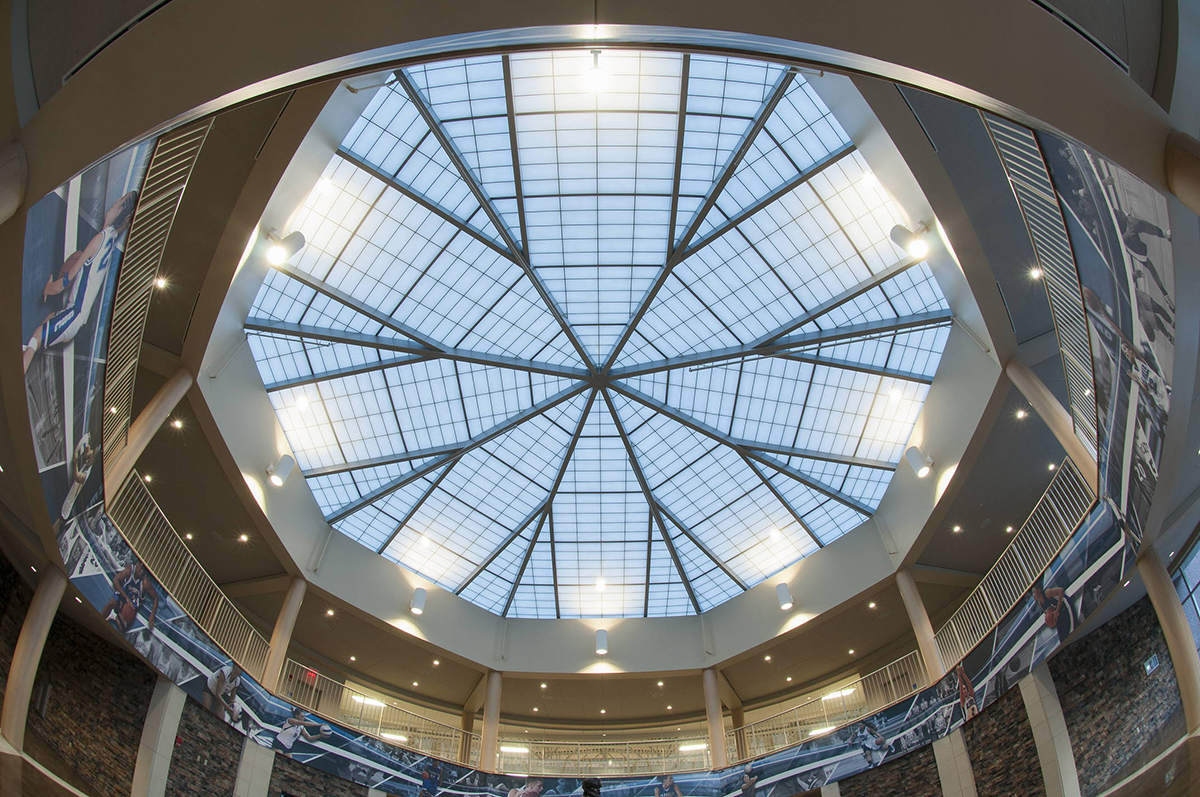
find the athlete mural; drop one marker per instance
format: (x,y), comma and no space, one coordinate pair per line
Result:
(74,242)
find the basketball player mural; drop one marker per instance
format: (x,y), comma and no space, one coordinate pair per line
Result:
(131,587)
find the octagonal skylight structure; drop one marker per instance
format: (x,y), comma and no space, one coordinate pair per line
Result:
(617,353)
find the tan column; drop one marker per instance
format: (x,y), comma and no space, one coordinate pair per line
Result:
(1055,416)
(254,770)
(489,742)
(281,636)
(28,654)
(738,717)
(954,765)
(159,730)
(1180,642)
(145,426)
(1183,168)
(1050,735)
(467,724)
(716,721)
(922,628)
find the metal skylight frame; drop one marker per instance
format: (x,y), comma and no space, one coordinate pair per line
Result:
(367,341)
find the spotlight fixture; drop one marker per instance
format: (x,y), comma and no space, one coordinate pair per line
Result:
(278,472)
(601,643)
(785,597)
(921,462)
(417,605)
(912,242)
(280,250)
(595,79)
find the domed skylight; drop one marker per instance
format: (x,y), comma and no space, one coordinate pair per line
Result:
(573,350)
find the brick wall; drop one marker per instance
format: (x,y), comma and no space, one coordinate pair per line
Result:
(302,780)
(15,595)
(1111,706)
(914,775)
(205,760)
(99,695)
(1003,754)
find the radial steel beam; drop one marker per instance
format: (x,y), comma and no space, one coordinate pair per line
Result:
(423,201)
(791,185)
(680,130)
(473,443)
(782,499)
(345,370)
(649,496)
(804,340)
(808,453)
(499,549)
(704,549)
(512,592)
(717,435)
(832,303)
(511,111)
(271,326)
(386,459)
(412,510)
(519,255)
(674,257)
(346,300)
(865,368)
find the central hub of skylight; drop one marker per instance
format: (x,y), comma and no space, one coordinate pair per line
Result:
(581,345)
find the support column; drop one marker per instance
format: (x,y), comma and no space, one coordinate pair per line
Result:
(831,790)
(1055,416)
(28,654)
(1050,733)
(954,765)
(145,426)
(467,724)
(738,717)
(716,721)
(1183,169)
(254,770)
(281,636)
(1180,642)
(489,742)
(158,740)
(919,618)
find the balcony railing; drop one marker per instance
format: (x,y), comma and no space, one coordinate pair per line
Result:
(1053,520)
(158,546)
(598,758)
(376,716)
(828,711)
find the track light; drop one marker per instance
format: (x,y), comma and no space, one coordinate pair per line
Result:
(417,606)
(280,250)
(595,79)
(921,462)
(912,242)
(785,597)
(601,641)
(278,473)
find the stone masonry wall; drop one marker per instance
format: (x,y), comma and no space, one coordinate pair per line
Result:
(15,596)
(1004,757)
(99,696)
(914,775)
(207,750)
(1112,707)
(301,780)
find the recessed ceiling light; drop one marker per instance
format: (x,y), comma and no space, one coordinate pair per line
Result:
(329,612)
(789,678)
(767,658)
(415,683)
(956,529)
(1126,584)
(1008,529)
(246,538)
(871,605)
(660,683)
(112,410)
(160,282)
(78,601)
(178,424)
(670,707)
(543,686)
(352,658)
(1035,273)
(602,711)
(851,651)
(1021,415)
(147,478)
(535,709)
(34,569)
(1050,466)
(1172,553)
(436,662)
(187,536)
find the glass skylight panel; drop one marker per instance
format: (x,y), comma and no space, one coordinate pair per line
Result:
(401,255)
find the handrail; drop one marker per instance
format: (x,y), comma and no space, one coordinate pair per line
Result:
(1055,517)
(829,711)
(162,190)
(587,758)
(344,704)
(156,543)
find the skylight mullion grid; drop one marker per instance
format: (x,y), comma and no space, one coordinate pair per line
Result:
(641,479)
(512,593)
(493,215)
(416,506)
(687,532)
(497,550)
(782,499)
(764,113)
